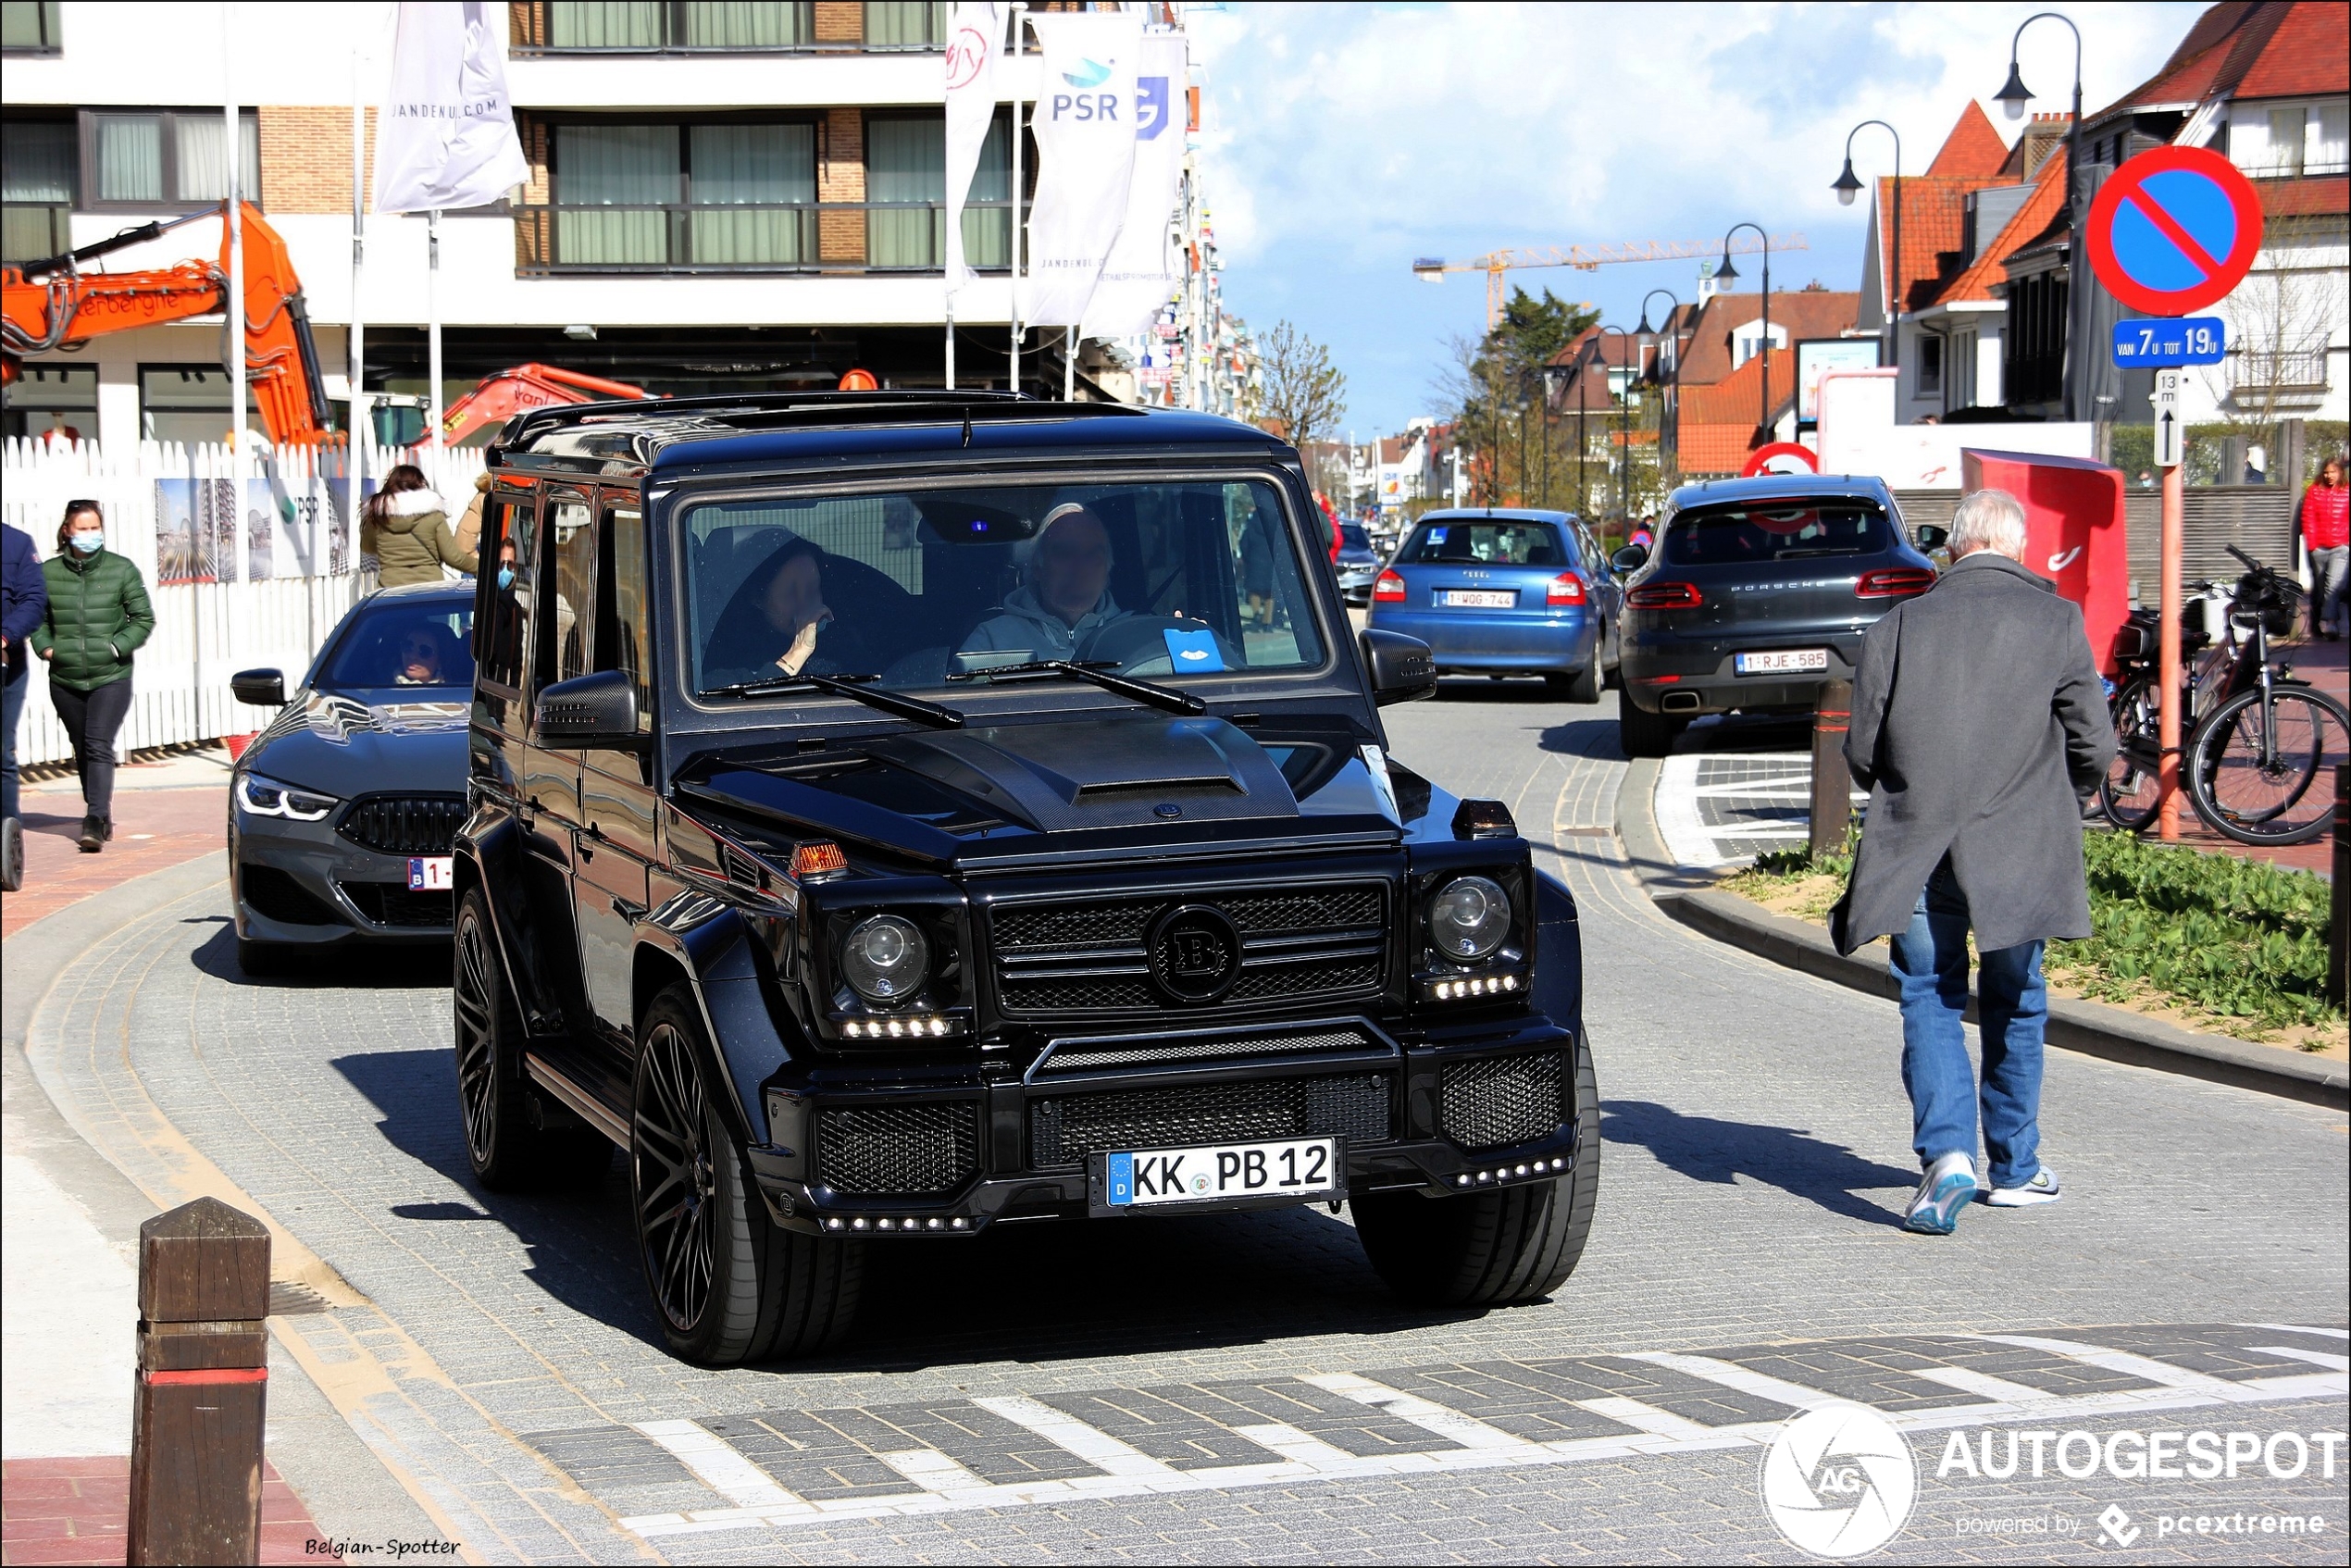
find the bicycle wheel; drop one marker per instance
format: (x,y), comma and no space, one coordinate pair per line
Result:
(2265,775)
(2130,791)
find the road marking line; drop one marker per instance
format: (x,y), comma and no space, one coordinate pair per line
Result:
(2142,1367)
(1295,1445)
(2301,1328)
(1983,1385)
(1747,1380)
(1646,1418)
(2316,1357)
(1072,1436)
(934,1472)
(715,1461)
(1466,1430)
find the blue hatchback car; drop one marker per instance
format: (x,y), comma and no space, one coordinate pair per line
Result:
(1505,591)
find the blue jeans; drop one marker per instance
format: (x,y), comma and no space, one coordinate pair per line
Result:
(1931,964)
(12,709)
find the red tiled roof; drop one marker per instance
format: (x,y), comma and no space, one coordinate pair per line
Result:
(1713,449)
(1805,313)
(2309,198)
(2304,57)
(1974,146)
(1737,399)
(2252,49)
(1934,222)
(2046,202)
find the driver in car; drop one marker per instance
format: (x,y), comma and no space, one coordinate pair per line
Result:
(421,660)
(1067,598)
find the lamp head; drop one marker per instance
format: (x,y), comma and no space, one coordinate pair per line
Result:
(1846,186)
(1726,272)
(1644,329)
(2014,95)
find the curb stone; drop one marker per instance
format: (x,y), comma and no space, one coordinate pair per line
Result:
(2089,1028)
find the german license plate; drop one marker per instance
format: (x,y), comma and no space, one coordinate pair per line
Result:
(1301,1168)
(1783,661)
(431,874)
(1477,598)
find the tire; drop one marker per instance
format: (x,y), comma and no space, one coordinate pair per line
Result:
(1642,733)
(507,1144)
(2288,800)
(2130,798)
(264,961)
(1577,686)
(727,1283)
(11,854)
(1490,1248)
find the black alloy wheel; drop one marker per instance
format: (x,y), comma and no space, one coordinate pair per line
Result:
(675,1181)
(508,1141)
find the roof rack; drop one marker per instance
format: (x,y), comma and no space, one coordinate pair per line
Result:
(766,409)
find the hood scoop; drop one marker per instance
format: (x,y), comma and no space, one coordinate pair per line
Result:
(1101,772)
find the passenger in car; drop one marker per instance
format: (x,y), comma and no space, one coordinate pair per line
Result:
(1066,596)
(775,622)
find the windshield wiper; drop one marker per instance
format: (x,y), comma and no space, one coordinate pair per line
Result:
(1163,697)
(852,686)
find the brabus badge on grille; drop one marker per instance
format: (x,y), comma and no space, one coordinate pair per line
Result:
(1195,953)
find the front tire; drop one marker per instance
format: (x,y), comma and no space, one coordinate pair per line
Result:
(1642,733)
(2128,796)
(506,1144)
(1490,1248)
(728,1285)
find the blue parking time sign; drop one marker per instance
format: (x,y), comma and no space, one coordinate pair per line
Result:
(2184,340)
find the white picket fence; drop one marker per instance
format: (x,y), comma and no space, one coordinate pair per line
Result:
(281,561)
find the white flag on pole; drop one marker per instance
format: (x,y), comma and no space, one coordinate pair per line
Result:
(1140,275)
(1086,153)
(446,138)
(975,42)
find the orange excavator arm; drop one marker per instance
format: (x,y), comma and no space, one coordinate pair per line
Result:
(49,305)
(508,392)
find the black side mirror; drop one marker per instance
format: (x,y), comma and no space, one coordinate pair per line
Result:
(262,688)
(1929,537)
(595,711)
(1632,558)
(1402,668)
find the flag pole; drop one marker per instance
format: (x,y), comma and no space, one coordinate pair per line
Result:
(1019,10)
(353,435)
(1069,366)
(433,331)
(234,210)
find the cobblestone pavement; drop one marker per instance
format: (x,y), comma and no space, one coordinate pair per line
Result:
(1242,1388)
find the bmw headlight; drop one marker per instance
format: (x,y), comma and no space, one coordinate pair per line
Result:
(1468,918)
(886,959)
(262,796)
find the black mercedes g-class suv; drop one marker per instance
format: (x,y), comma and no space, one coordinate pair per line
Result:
(893,816)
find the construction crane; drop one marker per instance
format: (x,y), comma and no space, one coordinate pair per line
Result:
(1587,258)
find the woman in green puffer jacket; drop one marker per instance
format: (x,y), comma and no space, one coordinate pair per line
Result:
(98,616)
(405,527)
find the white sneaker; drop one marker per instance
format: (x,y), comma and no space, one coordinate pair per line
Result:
(2042,1188)
(1948,1187)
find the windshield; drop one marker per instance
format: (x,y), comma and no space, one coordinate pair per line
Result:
(1352,537)
(1502,543)
(1755,533)
(921,587)
(427,644)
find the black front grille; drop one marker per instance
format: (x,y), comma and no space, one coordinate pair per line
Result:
(898,1150)
(1087,1056)
(398,905)
(406,824)
(1321,942)
(275,895)
(1066,1128)
(1505,1099)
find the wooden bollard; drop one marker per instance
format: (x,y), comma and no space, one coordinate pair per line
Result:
(204,1371)
(1831,781)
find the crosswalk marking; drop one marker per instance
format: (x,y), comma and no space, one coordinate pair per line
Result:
(1097,1448)
(934,1472)
(2316,1357)
(1465,1430)
(1984,1385)
(1295,1445)
(2138,1366)
(715,1461)
(1745,1379)
(2300,1329)
(1645,1418)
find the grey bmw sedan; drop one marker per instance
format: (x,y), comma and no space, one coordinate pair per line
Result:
(343,809)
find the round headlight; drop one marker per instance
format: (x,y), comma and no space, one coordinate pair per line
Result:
(1468,918)
(886,959)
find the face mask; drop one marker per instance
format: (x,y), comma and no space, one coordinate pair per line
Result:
(506,577)
(87,543)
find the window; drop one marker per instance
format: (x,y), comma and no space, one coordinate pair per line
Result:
(403,645)
(164,158)
(39,168)
(624,615)
(63,398)
(669,24)
(905,161)
(2288,129)
(563,637)
(1450,540)
(503,620)
(188,402)
(1930,371)
(905,24)
(1736,534)
(29,29)
(679,195)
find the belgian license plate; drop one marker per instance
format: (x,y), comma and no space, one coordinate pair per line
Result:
(1784,661)
(431,874)
(1477,598)
(1303,1168)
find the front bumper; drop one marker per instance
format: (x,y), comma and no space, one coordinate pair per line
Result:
(1440,1133)
(304,884)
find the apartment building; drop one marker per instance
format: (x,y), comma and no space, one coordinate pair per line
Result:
(741,196)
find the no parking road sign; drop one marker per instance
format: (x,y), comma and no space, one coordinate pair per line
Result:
(2174,230)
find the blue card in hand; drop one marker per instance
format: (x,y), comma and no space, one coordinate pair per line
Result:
(1193,650)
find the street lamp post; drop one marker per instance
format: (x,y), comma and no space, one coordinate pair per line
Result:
(1671,402)
(1728,272)
(1847,188)
(1623,404)
(2013,96)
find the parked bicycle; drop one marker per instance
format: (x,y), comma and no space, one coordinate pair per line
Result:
(2259,747)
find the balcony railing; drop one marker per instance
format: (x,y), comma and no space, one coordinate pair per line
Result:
(756,238)
(2302,370)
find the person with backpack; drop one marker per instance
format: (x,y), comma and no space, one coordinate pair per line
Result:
(96,618)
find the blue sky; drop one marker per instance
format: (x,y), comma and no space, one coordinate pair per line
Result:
(1341,141)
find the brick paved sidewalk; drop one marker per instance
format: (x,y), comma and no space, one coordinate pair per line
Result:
(165,810)
(61,1511)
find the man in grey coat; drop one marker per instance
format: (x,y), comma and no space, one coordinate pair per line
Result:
(1979,724)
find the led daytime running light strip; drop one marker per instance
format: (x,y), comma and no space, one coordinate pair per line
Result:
(1504,1173)
(1485,985)
(898,1028)
(958,1223)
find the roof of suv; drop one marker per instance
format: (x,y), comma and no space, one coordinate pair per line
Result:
(1779,487)
(785,426)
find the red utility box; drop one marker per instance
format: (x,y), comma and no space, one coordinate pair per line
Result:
(2073,531)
